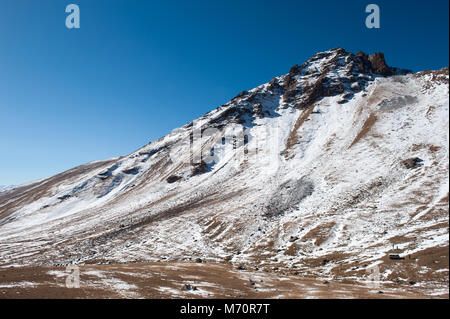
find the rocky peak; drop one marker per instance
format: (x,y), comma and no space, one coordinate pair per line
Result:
(333,72)
(377,63)
(330,73)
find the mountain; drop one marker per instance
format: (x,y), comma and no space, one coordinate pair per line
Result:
(334,169)
(6,187)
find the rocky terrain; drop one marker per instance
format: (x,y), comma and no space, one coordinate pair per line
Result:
(332,172)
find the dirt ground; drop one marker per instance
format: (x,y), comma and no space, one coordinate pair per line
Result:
(187,280)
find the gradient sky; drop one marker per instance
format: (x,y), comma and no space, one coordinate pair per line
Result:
(135,70)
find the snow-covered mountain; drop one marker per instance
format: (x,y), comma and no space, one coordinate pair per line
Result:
(322,172)
(6,187)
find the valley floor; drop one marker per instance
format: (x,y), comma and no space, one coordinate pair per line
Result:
(191,280)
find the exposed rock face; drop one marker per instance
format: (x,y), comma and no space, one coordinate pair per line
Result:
(332,73)
(379,64)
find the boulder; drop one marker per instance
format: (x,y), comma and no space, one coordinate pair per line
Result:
(173,179)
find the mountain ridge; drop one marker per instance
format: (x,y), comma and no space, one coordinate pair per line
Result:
(323,172)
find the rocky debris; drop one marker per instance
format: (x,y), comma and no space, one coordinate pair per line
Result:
(242,267)
(287,196)
(412,163)
(440,76)
(374,63)
(396,102)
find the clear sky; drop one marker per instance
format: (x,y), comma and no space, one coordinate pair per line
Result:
(135,70)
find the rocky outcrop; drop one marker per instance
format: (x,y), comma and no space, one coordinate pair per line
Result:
(379,64)
(375,62)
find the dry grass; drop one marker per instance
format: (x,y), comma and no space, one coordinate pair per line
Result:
(368,124)
(293,135)
(166,280)
(320,233)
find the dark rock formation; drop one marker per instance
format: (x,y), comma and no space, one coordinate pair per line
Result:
(379,64)
(173,179)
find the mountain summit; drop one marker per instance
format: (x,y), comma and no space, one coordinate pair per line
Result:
(327,171)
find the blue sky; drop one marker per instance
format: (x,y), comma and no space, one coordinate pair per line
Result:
(135,70)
